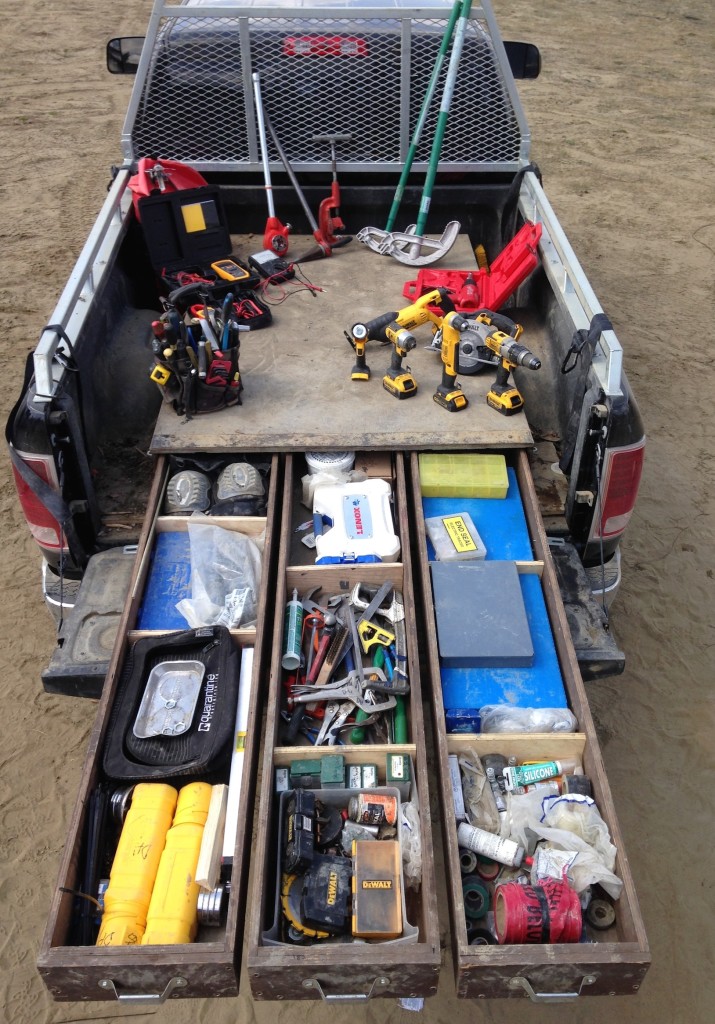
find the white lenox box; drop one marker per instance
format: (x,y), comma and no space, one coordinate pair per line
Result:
(353,522)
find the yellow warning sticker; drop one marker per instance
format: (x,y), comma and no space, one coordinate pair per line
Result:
(194,220)
(459,533)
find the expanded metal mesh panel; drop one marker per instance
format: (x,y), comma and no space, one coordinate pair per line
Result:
(366,78)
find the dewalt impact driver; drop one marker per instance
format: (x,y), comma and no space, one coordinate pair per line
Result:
(396,328)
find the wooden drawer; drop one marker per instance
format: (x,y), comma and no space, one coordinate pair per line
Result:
(209,966)
(612,961)
(334,970)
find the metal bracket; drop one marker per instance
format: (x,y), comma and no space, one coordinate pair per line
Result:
(584,498)
(347,997)
(143,998)
(550,997)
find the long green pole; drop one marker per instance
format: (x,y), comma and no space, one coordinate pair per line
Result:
(426,103)
(442,118)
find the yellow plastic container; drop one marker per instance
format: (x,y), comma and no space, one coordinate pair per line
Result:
(135,864)
(172,916)
(462,475)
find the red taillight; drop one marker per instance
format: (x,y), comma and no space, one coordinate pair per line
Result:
(621,476)
(43,526)
(324,46)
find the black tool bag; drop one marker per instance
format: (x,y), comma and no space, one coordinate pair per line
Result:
(200,395)
(190,394)
(205,746)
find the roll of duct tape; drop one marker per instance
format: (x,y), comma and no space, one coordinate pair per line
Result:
(476,897)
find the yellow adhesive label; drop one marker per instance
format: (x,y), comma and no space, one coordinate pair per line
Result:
(194,220)
(458,533)
(240,741)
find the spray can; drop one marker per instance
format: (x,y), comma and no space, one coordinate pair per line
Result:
(529,774)
(505,851)
(135,864)
(172,915)
(292,634)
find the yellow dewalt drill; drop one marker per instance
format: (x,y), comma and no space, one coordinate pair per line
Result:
(503,396)
(449,394)
(395,327)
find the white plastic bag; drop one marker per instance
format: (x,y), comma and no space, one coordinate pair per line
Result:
(327,478)
(411,845)
(505,718)
(569,823)
(225,576)
(479,801)
(579,814)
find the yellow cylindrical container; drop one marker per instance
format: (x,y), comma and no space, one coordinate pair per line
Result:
(135,864)
(172,910)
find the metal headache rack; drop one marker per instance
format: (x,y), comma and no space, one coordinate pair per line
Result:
(325,69)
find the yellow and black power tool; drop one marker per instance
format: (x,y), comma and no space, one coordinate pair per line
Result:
(503,396)
(395,327)
(449,394)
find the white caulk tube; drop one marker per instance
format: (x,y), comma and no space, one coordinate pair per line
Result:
(504,851)
(529,774)
(239,744)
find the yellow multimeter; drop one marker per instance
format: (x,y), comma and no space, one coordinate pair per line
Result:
(229,270)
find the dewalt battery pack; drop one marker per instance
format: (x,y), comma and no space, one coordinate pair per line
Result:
(299,832)
(377,889)
(326,893)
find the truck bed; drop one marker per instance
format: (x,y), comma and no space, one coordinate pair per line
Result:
(298,392)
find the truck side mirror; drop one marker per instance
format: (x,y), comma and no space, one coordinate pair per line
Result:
(123,55)
(524,59)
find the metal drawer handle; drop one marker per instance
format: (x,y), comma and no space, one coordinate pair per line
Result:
(550,997)
(144,998)
(347,997)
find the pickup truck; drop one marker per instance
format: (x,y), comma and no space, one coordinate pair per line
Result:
(84,429)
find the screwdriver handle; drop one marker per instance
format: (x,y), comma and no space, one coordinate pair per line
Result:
(400,720)
(357,735)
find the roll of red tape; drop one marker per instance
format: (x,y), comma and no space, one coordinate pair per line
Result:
(547,912)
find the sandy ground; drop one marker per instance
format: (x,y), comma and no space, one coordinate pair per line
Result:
(623,125)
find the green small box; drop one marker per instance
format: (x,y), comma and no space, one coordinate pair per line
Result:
(361,776)
(369,776)
(398,773)
(332,771)
(305,774)
(397,769)
(462,475)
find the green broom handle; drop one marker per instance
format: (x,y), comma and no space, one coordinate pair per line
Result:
(426,104)
(443,115)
